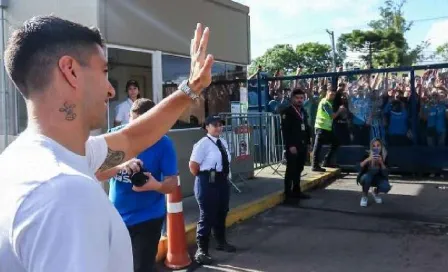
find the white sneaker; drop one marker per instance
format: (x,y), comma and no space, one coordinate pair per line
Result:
(377,198)
(364,201)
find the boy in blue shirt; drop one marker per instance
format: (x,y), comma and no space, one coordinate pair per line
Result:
(397,119)
(436,115)
(143,209)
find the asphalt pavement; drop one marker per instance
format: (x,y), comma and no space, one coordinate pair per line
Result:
(331,232)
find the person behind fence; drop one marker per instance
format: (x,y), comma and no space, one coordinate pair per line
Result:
(296,138)
(324,133)
(210,164)
(373,173)
(398,123)
(436,114)
(310,106)
(143,210)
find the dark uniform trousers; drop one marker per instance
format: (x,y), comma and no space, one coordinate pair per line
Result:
(294,167)
(213,201)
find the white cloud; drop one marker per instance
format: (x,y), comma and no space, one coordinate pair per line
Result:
(438,34)
(296,7)
(357,17)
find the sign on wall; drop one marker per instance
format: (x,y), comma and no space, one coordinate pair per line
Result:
(242,142)
(240,132)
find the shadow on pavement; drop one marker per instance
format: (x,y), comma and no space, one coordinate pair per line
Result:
(413,200)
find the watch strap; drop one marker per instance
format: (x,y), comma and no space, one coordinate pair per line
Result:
(187,90)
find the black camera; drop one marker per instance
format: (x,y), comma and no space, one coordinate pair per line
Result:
(139,179)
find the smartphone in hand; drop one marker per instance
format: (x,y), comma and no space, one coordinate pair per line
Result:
(375,153)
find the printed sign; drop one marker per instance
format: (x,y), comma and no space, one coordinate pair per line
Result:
(242,142)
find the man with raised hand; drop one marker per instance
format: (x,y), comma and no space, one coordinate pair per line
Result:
(55,216)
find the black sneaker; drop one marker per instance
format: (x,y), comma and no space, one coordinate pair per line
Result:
(304,196)
(225,247)
(301,195)
(318,169)
(202,257)
(291,201)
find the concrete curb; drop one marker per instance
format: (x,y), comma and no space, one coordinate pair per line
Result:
(248,210)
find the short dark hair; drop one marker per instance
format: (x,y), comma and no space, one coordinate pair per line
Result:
(297,91)
(142,105)
(132,83)
(34,50)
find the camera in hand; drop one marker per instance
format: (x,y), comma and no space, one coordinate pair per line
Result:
(139,179)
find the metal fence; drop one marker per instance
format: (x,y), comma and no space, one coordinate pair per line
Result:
(256,137)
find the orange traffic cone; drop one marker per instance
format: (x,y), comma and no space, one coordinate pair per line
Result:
(177,256)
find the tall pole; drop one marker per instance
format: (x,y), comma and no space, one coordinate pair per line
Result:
(331,33)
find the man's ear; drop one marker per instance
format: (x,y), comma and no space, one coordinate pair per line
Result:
(69,68)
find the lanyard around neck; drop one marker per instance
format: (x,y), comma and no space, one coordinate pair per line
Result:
(298,113)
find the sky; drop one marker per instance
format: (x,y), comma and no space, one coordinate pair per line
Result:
(298,21)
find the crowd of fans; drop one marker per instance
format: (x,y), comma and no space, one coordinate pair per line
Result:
(378,106)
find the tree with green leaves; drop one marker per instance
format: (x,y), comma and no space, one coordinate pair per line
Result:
(317,56)
(281,56)
(385,44)
(310,56)
(380,48)
(442,52)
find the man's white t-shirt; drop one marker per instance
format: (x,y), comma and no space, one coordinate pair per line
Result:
(54,215)
(122,111)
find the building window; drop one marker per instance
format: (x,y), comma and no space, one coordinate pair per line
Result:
(214,99)
(235,72)
(175,69)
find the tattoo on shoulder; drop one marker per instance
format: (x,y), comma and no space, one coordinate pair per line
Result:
(69,111)
(113,159)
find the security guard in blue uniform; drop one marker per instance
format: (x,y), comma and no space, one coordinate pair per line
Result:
(210,164)
(296,139)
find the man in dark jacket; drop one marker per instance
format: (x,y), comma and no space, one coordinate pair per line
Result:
(296,138)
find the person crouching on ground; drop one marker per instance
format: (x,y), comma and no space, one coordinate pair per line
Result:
(374,173)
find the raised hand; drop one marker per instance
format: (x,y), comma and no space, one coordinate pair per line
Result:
(201,63)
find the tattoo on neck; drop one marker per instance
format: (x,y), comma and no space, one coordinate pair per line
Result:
(113,159)
(68,109)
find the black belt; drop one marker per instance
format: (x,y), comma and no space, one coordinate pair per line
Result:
(208,171)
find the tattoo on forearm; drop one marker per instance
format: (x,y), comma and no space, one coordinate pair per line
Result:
(68,109)
(113,159)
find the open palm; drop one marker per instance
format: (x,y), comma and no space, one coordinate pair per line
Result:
(201,63)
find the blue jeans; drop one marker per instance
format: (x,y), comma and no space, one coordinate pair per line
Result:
(374,178)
